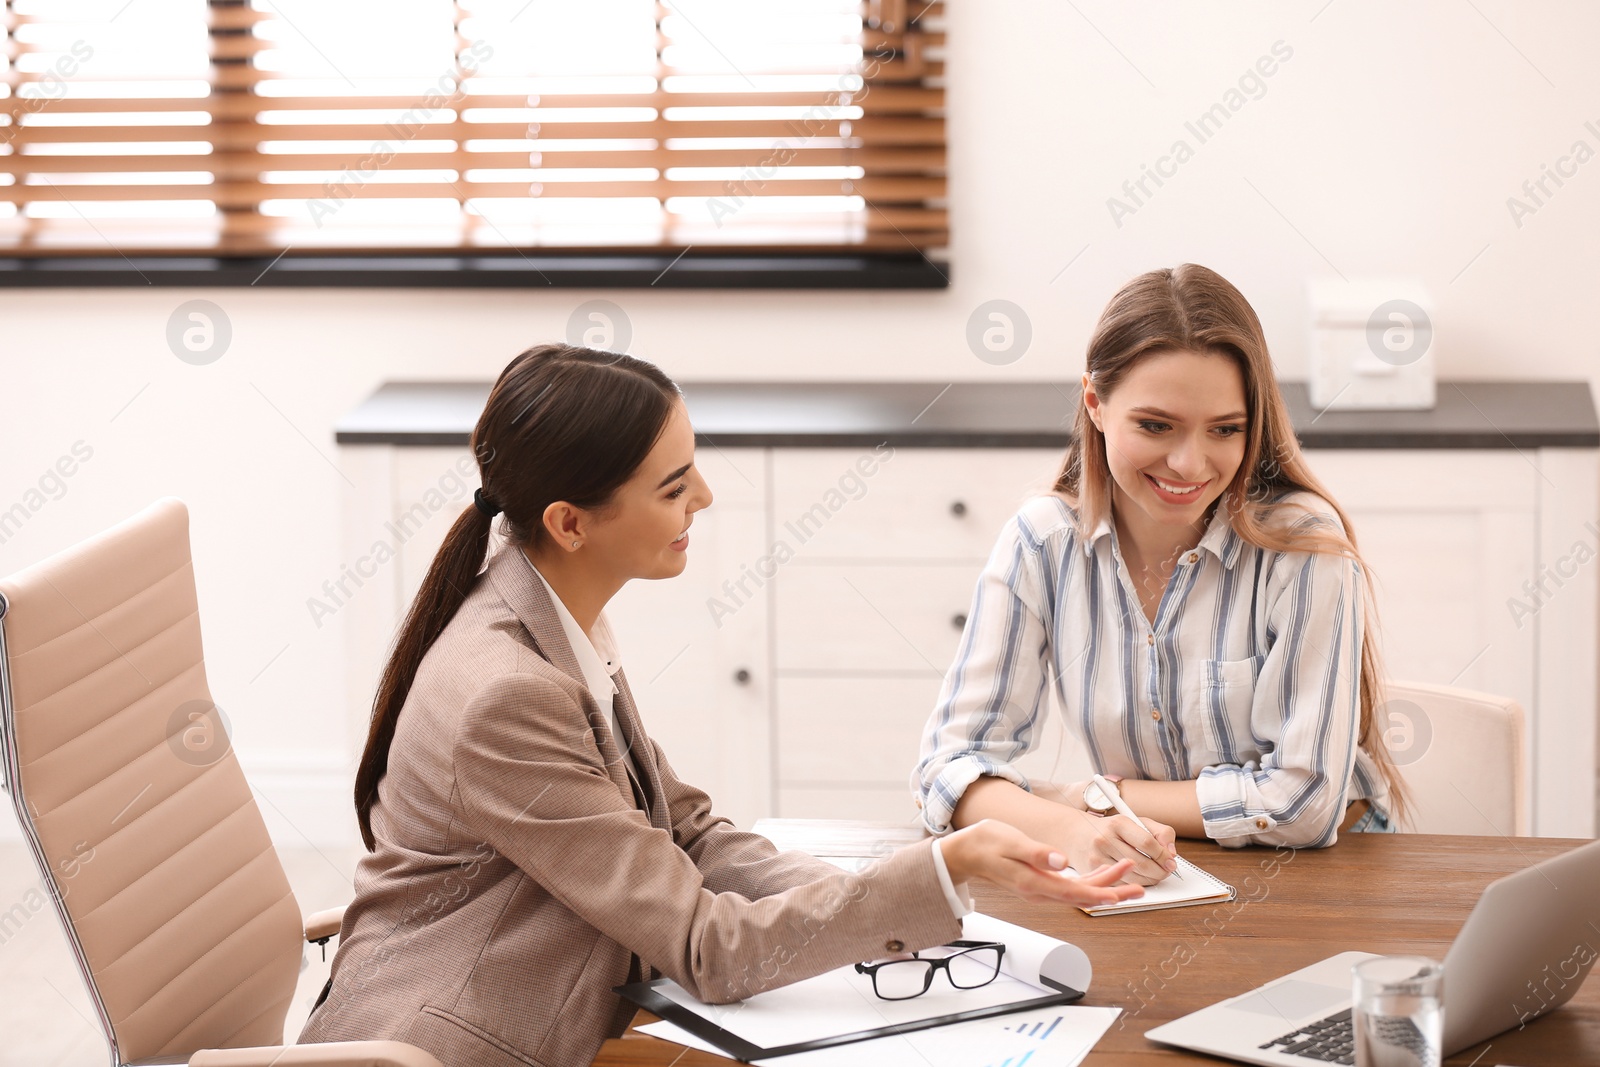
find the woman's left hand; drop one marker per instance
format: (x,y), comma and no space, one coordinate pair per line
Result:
(1005,857)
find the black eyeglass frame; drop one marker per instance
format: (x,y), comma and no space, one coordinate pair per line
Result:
(935,965)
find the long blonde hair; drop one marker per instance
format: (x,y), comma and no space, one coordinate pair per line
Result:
(1194,309)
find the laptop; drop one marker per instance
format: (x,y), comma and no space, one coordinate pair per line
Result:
(1524,951)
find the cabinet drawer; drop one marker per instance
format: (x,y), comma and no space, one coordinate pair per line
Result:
(843,802)
(864,617)
(907,503)
(1475,480)
(852,731)
(867,732)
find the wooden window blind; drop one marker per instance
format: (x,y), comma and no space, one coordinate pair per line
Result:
(230,127)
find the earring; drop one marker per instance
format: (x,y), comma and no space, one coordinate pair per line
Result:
(574,544)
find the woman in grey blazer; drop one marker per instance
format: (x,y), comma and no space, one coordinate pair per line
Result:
(529,845)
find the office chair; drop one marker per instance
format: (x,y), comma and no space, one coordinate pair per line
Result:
(1462,756)
(145,832)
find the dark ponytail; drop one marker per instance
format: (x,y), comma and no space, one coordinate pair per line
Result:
(562,423)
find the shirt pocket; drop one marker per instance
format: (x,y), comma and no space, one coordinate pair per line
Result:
(1224,691)
(1231,673)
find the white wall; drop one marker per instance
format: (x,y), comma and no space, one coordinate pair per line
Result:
(1387,143)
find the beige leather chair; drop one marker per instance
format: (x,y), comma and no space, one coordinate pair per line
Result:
(1462,753)
(141,822)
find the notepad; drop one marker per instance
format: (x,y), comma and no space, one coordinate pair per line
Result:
(1187,885)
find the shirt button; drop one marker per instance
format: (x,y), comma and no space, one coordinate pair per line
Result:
(1193,556)
(894,946)
(1155,713)
(1150,639)
(1261,824)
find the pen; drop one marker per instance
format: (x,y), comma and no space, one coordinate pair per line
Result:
(1115,796)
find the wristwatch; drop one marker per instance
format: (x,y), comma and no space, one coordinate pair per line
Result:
(1095,800)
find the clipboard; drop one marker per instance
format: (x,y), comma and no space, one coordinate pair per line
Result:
(1060,971)
(648,996)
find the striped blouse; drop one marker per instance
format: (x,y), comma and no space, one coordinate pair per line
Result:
(1246,682)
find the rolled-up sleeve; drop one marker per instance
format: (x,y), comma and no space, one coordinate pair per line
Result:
(989,704)
(1306,711)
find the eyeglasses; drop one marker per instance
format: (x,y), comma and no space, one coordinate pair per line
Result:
(977,963)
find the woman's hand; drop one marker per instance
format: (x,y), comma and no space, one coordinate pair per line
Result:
(1093,840)
(1088,841)
(1002,855)
(1097,840)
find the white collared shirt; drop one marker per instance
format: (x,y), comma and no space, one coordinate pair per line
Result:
(1245,681)
(597,659)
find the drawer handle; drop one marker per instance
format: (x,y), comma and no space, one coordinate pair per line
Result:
(958,509)
(741,676)
(959,621)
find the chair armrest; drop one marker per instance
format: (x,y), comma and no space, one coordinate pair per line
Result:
(328,1054)
(324,924)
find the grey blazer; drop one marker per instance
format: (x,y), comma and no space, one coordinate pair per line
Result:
(519,875)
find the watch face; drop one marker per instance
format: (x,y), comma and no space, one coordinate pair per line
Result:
(1095,798)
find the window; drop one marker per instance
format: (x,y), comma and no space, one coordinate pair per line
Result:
(405,133)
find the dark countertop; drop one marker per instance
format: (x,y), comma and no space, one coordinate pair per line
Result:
(998,415)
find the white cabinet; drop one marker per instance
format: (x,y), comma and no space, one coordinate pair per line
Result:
(868,614)
(1459,542)
(790,670)
(916,503)
(1447,538)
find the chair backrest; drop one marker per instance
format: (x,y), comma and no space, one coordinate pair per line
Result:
(142,823)
(1461,752)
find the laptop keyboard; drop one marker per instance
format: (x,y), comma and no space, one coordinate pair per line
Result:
(1331,1040)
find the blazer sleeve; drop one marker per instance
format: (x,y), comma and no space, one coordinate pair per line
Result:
(533,784)
(731,860)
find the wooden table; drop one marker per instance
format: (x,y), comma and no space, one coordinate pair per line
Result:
(1385,893)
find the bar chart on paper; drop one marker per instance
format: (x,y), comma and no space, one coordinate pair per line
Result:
(1029,1030)
(1054,1036)
(1044,1035)
(1033,1030)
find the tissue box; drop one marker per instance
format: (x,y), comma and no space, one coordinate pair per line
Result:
(1371,345)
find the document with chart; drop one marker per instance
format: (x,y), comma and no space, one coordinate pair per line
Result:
(840,1007)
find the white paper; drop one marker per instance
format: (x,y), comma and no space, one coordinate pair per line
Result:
(1058,1036)
(842,1001)
(1031,955)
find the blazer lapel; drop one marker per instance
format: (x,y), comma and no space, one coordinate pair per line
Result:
(512,577)
(644,759)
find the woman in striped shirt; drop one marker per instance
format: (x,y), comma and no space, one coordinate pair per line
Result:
(1192,596)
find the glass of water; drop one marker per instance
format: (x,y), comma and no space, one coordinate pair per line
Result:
(1399,1011)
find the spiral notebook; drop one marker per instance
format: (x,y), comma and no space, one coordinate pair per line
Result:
(1187,885)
